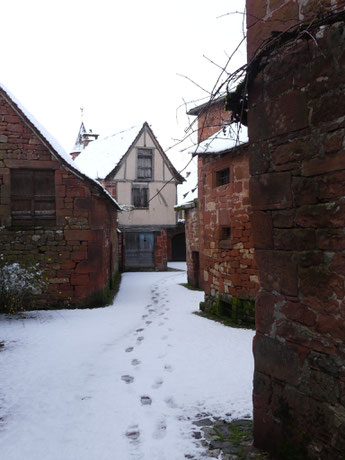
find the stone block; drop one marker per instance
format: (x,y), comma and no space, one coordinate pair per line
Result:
(274,359)
(277,271)
(261,223)
(271,191)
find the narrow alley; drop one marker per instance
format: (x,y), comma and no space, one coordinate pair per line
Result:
(122,382)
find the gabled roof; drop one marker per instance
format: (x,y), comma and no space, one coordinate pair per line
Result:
(50,142)
(222,141)
(103,157)
(203,107)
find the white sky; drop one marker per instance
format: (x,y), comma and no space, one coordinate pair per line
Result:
(119,60)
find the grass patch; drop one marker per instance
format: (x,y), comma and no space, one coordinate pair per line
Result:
(192,288)
(226,321)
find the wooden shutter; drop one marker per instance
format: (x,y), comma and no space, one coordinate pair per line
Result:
(144,164)
(32,197)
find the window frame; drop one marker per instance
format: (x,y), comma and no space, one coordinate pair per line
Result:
(40,210)
(222,177)
(140,187)
(145,153)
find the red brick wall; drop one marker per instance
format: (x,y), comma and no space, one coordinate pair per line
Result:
(161,250)
(192,245)
(211,120)
(79,253)
(296,131)
(231,270)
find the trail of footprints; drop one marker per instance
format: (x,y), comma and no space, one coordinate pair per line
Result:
(154,311)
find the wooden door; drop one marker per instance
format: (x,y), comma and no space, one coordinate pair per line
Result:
(139,250)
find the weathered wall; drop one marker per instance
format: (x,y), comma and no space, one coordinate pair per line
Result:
(211,119)
(160,249)
(297,162)
(226,267)
(192,244)
(78,253)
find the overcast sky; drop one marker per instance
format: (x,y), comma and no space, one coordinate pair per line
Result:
(119,60)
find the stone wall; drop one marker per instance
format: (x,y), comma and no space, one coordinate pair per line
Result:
(211,118)
(297,152)
(78,250)
(161,249)
(192,244)
(227,264)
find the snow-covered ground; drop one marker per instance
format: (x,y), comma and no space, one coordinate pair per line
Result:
(123,382)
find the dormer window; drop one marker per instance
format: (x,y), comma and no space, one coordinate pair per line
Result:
(144,170)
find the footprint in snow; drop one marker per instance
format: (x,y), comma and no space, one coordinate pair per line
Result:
(127,378)
(140,339)
(171,402)
(129,349)
(151,310)
(160,430)
(148,322)
(135,362)
(164,337)
(144,316)
(133,433)
(168,368)
(145,400)
(140,330)
(158,383)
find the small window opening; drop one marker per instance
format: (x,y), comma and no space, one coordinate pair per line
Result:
(225,238)
(222,177)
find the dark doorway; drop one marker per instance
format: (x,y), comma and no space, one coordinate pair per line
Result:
(178,247)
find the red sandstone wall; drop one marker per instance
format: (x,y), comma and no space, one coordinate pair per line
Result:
(211,120)
(192,245)
(297,151)
(161,250)
(265,16)
(231,270)
(79,253)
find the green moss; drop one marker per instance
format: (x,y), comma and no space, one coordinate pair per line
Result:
(189,286)
(231,310)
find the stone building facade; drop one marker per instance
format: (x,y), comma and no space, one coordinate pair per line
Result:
(228,272)
(53,215)
(297,163)
(135,170)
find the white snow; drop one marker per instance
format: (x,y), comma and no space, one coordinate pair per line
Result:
(226,138)
(51,140)
(63,392)
(101,156)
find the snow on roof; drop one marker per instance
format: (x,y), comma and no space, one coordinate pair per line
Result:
(228,137)
(101,156)
(51,140)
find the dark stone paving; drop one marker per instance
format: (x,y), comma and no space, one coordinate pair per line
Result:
(232,440)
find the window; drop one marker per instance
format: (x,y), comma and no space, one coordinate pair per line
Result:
(32,197)
(222,177)
(144,164)
(140,196)
(225,237)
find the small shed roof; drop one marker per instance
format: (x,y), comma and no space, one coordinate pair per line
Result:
(228,137)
